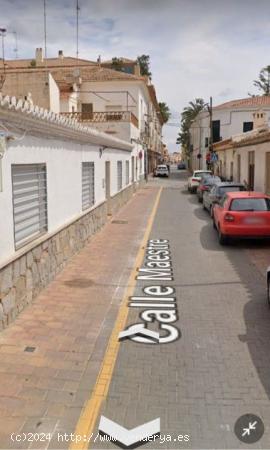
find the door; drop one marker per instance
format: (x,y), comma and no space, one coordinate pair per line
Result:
(108,185)
(231,171)
(87,111)
(267,173)
(132,169)
(239,168)
(251,169)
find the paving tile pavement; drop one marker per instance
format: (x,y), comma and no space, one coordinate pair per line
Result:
(68,326)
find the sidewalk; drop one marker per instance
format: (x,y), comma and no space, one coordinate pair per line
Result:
(50,356)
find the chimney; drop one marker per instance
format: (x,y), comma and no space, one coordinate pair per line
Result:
(60,54)
(137,70)
(259,119)
(39,56)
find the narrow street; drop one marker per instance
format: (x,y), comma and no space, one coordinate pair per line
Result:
(198,385)
(219,369)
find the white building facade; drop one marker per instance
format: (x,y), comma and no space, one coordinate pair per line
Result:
(229,119)
(59,181)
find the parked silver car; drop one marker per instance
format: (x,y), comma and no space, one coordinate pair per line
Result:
(217,191)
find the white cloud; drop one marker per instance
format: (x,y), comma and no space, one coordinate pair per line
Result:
(197,48)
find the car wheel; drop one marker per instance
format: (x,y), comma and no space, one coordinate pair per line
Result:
(221,238)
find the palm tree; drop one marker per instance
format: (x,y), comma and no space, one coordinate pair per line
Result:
(164,111)
(263,83)
(189,114)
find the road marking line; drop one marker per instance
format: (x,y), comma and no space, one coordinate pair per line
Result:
(87,420)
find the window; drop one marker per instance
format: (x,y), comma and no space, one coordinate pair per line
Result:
(127,172)
(87,111)
(250,204)
(88,185)
(232,188)
(140,166)
(247,126)
(29,196)
(119,175)
(216,130)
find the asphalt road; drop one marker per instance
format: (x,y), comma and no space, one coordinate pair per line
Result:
(219,367)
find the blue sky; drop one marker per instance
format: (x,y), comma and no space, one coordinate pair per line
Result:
(197,48)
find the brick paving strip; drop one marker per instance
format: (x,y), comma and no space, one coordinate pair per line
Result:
(51,355)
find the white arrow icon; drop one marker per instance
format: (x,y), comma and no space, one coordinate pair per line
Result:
(129,437)
(138,330)
(251,426)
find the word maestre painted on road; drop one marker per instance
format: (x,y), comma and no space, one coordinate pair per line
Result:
(158,264)
(158,299)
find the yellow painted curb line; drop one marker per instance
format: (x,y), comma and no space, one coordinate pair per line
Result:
(87,420)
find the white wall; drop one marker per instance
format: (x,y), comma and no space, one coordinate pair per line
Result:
(54,94)
(231,123)
(63,161)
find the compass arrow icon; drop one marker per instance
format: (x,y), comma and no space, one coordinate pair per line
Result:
(127,438)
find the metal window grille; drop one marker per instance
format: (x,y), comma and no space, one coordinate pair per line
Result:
(127,172)
(88,184)
(29,196)
(119,175)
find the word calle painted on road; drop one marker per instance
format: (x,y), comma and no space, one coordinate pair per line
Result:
(158,299)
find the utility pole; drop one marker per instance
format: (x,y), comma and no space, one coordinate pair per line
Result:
(77,29)
(45,30)
(211,125)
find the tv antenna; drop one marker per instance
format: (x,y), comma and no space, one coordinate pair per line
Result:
(16,44)
(45,30)
(77,28)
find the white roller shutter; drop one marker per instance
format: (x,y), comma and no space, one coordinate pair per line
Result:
(88,185)
(29,189)
(119,175)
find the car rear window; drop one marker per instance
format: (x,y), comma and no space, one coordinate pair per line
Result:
(250,204)
(201,174)
(211,180)
(223,190)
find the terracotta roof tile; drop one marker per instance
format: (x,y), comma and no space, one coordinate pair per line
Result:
(256,101)
(123,60)
(103,74)
(66,74)
(51,62)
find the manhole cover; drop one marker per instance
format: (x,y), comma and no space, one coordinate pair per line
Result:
(120,222)
(80,283)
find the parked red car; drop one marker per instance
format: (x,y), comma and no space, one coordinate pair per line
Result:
(242,215)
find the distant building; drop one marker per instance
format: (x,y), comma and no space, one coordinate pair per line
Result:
(230,118)
(119,103)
